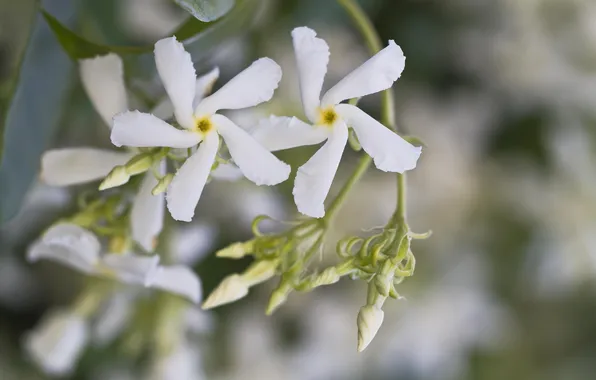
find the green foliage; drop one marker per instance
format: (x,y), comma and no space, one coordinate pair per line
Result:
(206,10)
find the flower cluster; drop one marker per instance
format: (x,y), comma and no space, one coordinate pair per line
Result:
(172,152)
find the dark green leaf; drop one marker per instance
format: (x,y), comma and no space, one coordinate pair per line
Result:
(206,10)
(33,110)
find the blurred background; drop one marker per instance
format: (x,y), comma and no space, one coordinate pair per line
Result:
(502,92)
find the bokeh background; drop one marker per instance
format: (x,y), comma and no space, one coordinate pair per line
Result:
(503,94)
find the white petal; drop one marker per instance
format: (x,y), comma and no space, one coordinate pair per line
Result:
(129,268)
(187,244)
(227,172)
(252,86)
(183,362)
(146,218)
(312,57)
(72,166)
(165,110)
(376,74)
(179,279)
(57,342)
(198,321)
(280,132)
(177,73)
(204,85)
(187,186)
(67,244)
(143,130)
(103,80)
(256,163)
(390,152)
(112,319)
(314,178)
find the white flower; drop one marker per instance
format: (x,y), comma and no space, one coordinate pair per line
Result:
(80,249)
(201,124)
(183,363)
(57,342)
(330,120)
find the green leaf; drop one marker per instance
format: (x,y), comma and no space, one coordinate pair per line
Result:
(78,48)
(32,109)
(206,10)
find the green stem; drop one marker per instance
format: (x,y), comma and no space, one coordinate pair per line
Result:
(401,197)
(343,194)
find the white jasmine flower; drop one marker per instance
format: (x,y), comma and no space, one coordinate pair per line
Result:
(80,249)
(57,342)
(201,124)
(329,120)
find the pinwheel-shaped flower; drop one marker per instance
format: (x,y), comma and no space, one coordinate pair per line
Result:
(200,123)
(330,120)
(103,80)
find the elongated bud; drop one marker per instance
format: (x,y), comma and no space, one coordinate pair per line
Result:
(163,184)
(139,164)
(259,271)
(328,277)
(231,289)
(117,177)
(369,321)
(236,250)
(278,297)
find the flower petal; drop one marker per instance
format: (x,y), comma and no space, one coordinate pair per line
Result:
(143,130)
(146,218)
(103,80)
(391,153)
(314,178)
(112,319)
(68,244)
(252,86)
(376,74)
(186,187)
(280,132)
(57,342)
(256,163)
(312,57)
(177,73)
(164,109)
(72,166)
(129,268)
(181,280)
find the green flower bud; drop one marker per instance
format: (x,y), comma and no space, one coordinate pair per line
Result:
(259,271)
(278,297)
(117,177)
(328,277)
(231,289)
(139,164)
(163,184)
(369,321)
(236,250)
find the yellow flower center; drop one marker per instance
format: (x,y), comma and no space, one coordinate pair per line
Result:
(327,116)
(203,125)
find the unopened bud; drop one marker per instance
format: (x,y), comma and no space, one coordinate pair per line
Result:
(369,321)
(163,184)
(328,277)
(117,177)
(259,271)
(278,297)
(139,164)
(231,289)
(236,250)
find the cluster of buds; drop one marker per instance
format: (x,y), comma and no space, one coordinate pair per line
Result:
(147,159)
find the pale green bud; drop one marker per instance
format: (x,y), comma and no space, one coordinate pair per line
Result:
(236,250)
(163,184)
(232,288)
(139,164)
(259,271)
(278,297)
(117,177)
(328,277)
(369,321)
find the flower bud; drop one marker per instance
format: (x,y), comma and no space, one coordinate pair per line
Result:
(236,250)
(369,321)
(259,271)
(139,164)
(231,289)
(163,184)
(328,277)
(117,177)
(278,297)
